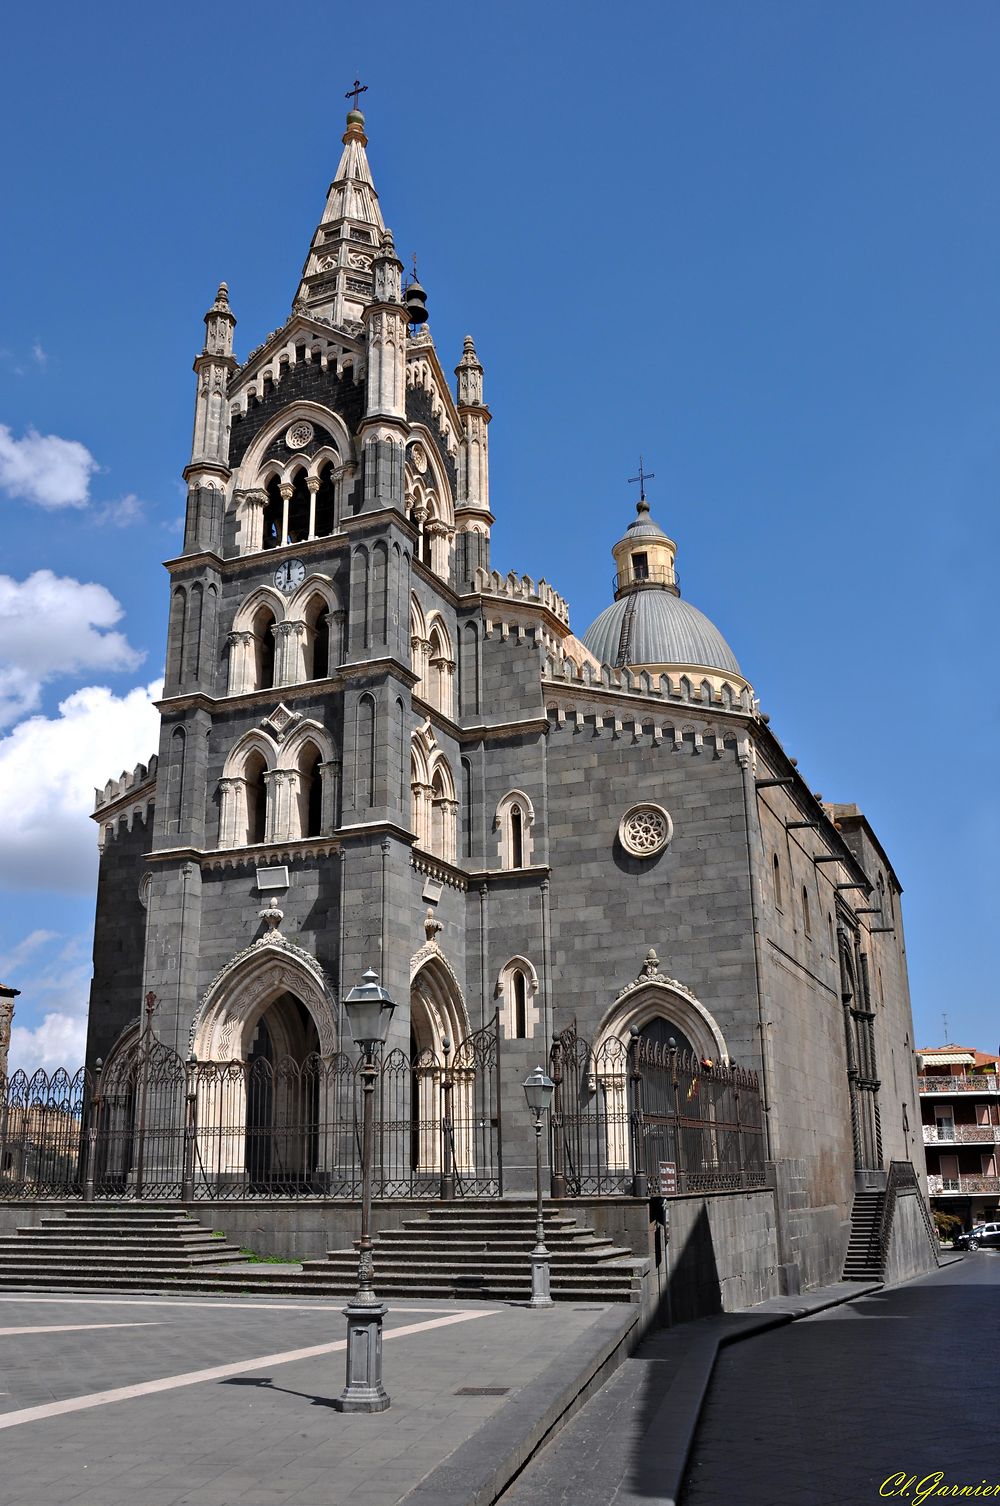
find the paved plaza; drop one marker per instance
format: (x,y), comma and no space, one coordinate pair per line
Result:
(151,1401)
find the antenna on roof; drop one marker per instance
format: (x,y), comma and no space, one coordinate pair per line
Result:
(944,1020)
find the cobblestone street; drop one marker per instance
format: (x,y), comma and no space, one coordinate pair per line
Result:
(906,1381)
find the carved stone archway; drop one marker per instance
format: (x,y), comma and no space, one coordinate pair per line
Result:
(247,986)
(655,996)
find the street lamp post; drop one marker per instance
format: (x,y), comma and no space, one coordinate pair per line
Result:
(369,1009)
(538,1090)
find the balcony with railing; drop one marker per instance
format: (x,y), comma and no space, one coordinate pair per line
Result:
(961,1134)
(967,1082)
(965,1184)
(649,575)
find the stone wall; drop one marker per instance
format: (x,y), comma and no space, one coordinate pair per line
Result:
(912,1252)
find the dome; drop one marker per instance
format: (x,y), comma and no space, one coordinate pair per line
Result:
(661,629)
(643,526)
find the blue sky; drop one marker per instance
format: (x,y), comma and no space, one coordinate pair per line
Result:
(757,242)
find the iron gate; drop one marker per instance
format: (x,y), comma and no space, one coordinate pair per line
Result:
(155,1126)
(626,1119)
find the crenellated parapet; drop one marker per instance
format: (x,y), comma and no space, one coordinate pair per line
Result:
(126,787)
(691,733)
(515,587)
(707,690)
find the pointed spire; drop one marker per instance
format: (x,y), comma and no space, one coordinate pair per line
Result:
(470,375)
(336,281)
(220,321)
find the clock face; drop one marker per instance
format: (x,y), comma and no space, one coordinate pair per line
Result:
(289,574)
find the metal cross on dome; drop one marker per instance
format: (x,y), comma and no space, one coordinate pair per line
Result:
(642,478)
(359,88)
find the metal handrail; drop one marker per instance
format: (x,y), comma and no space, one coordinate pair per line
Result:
(657,575)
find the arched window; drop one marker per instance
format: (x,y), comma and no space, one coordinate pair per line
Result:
(516,837)
(776,874)
(520,1006)
(435,805)
(256,788)
(263,632)
(273,509)
(326,501)
(298,509)
(317,639)
(468,808)
(806,922)
(517,988)
(418,647)
(175,780)
(310,791)
(443,810)
(439,677)
(514,821)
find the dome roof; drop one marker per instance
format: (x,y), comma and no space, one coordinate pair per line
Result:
(643,526)
(664,629)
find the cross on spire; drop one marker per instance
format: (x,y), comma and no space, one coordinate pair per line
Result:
(359,88)
(642,478)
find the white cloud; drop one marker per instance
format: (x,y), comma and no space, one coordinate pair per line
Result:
(46,470)
(59,1041)
(53,625)
(123,513)
(18,955)
(50,1017)
(49,768)
(39,355)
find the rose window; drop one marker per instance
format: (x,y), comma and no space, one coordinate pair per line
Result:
(299,435)
(645,830)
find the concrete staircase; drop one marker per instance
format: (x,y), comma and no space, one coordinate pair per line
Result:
(865,1261)
(478,1251)
(96,1246)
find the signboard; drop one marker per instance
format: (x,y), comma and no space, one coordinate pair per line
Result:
(668,1178)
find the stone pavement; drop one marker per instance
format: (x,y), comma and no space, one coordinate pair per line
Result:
(629,1443)
(904,1382)
(146,1401)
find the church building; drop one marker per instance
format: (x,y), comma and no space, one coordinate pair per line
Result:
(378,749)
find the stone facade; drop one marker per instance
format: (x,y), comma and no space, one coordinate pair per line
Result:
(361,713)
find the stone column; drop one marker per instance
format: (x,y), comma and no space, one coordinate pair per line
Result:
(7,997)
(282,805)
(286,652)
(232,812)
(252,530)
(240,658)
(313,485)
(329,774)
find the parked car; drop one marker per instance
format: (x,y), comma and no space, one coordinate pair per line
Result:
(980,1236)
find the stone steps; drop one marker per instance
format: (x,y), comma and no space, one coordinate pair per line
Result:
(94,1246)
(456,1250)
(864,1261)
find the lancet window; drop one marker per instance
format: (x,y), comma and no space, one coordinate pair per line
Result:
(514,822)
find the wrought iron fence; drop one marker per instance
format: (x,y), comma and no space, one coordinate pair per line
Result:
(156,1126)
(41,1134)
(645,1117)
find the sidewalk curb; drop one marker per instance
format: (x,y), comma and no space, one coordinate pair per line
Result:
(480,1469)
(676,1419)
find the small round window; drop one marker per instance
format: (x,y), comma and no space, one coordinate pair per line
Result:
(645,830)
